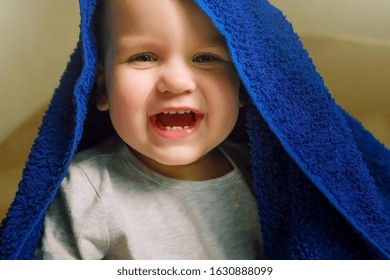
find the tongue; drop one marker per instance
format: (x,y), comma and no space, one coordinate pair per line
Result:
(172,120)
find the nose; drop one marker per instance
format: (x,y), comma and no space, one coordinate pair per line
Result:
(176,77)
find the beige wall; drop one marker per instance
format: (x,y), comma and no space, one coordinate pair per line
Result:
(37,37)
(347,39)
(360,20)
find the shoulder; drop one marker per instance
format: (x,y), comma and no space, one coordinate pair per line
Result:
(91,168)
(101,151)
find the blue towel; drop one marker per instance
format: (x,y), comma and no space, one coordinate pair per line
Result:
(322,181)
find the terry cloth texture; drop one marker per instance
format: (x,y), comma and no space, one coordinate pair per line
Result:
(322,182)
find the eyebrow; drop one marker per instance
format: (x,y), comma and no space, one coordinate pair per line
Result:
(136,42)
(213,39)
(216,39)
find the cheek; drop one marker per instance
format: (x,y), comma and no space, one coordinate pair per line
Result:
(127,101)
(127,91)
(226,92)
(223,101)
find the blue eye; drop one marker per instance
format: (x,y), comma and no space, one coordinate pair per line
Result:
(205,58)
(143,58)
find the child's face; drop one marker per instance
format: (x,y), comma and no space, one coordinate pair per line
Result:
(166,56)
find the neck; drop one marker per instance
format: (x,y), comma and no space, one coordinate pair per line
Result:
(211,166)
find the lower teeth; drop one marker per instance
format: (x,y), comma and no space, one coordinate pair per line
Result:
(169,128)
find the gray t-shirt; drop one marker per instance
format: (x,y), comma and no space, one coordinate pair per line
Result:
(111,206)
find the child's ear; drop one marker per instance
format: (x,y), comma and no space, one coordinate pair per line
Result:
(101,91)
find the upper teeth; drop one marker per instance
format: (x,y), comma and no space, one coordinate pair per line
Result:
(176,112)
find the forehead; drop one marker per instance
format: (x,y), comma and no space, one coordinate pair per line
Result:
(134,17)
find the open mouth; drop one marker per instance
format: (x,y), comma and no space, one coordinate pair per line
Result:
(173,120)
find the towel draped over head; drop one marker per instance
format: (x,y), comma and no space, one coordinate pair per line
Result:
(322,181)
